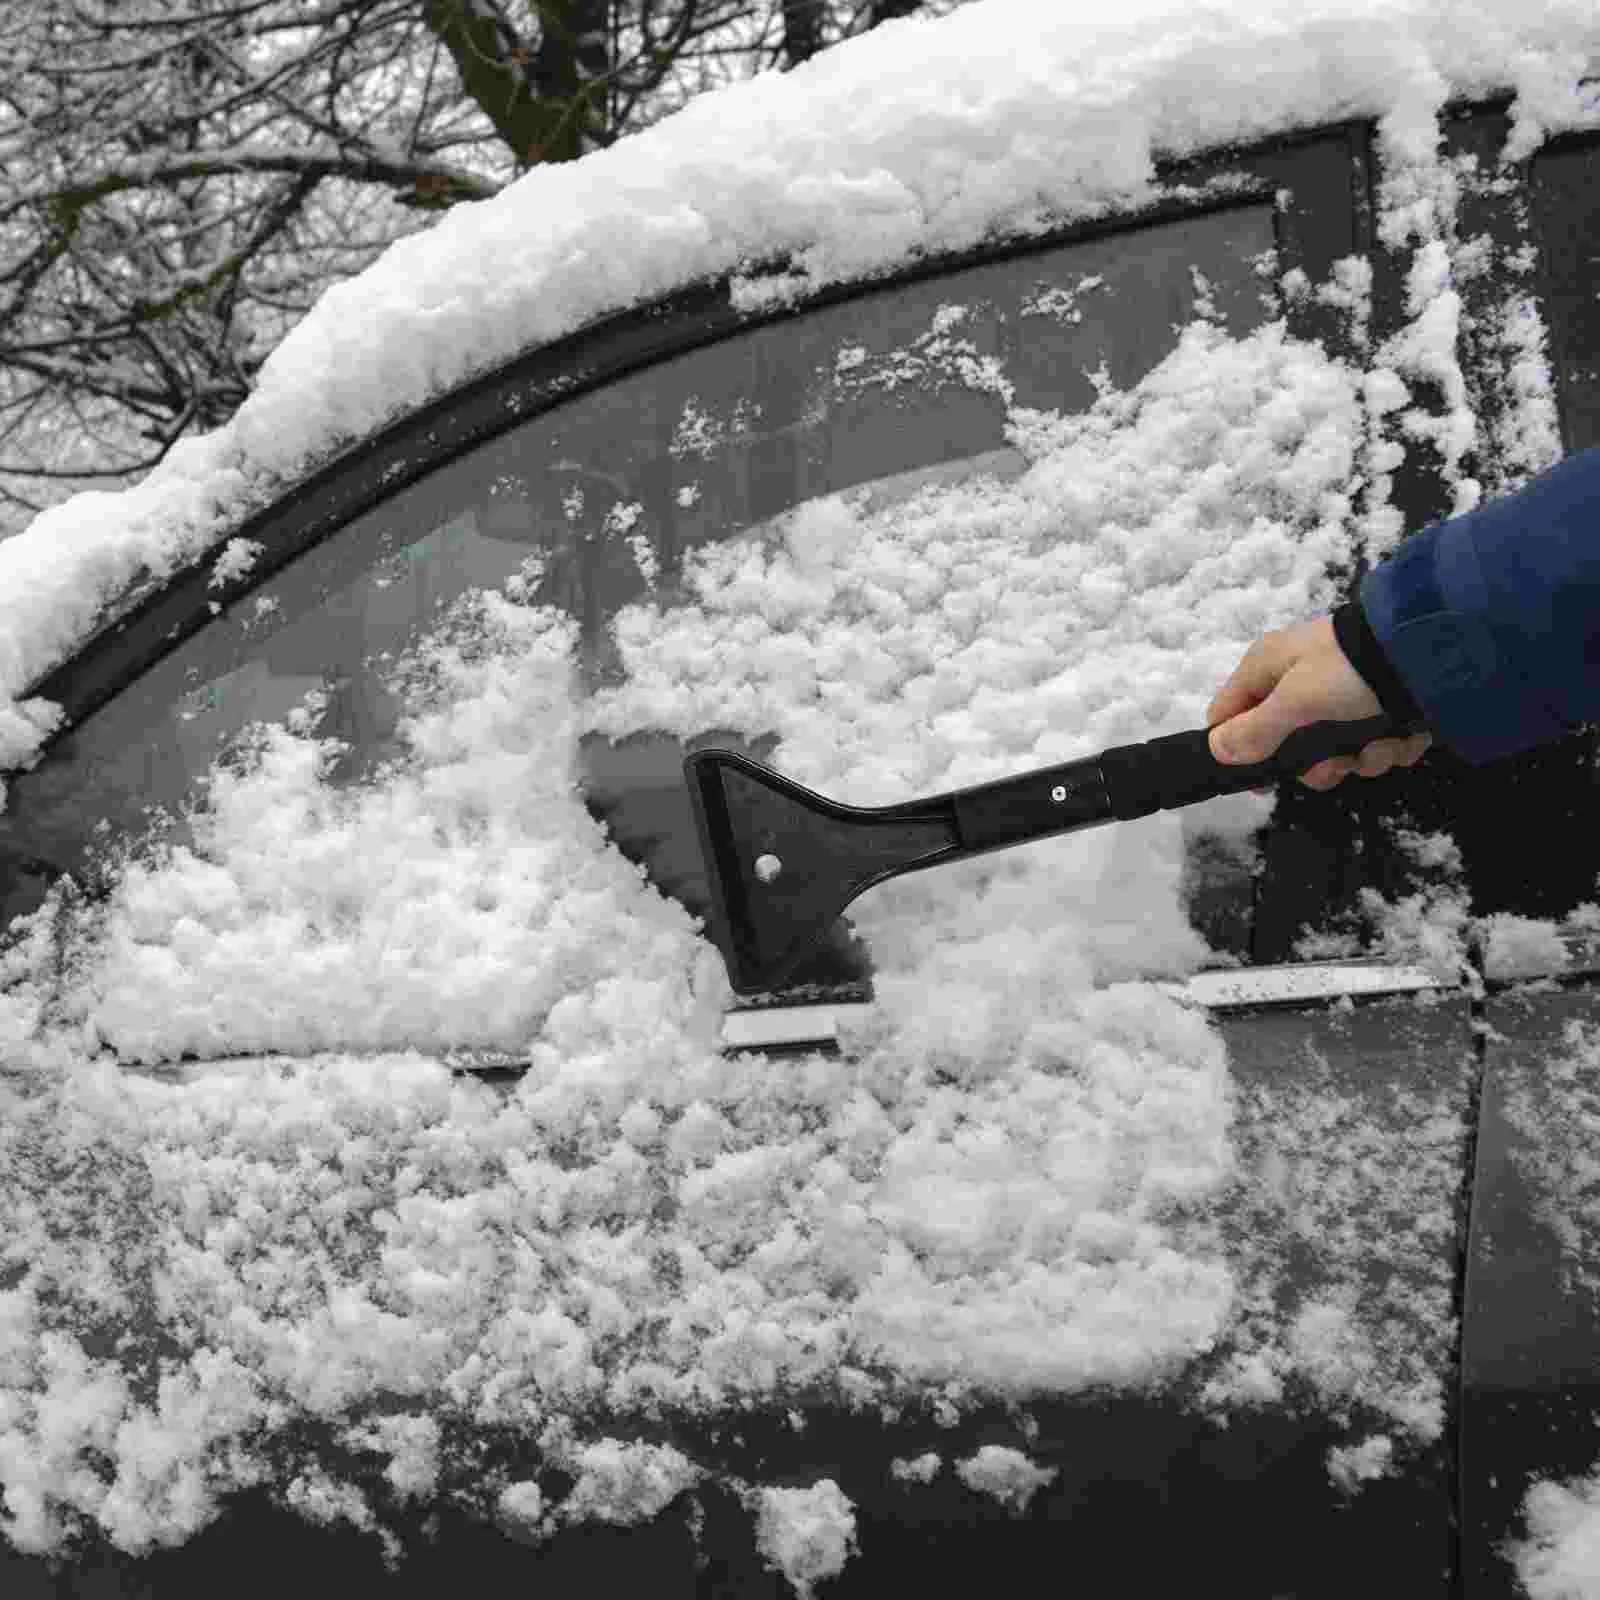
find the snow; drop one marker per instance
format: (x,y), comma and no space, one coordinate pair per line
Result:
(1006,1474)
(916,1469)
(522,1504)
(237,558)
(625,1482)
(1356,1464)
(1560,1557)
(412,1445)
(1032,1169)
(1557,1112)
(806,1534)
(1358,1178)
(306,920)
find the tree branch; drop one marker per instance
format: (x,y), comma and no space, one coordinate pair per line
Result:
(369,166)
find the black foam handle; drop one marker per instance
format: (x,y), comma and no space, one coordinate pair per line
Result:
(1179,768)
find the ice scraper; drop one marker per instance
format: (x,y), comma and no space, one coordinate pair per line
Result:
(782,861)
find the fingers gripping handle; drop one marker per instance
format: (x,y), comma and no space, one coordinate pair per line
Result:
(1179,769)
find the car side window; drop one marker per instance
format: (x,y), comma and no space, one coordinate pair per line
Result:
(594,505)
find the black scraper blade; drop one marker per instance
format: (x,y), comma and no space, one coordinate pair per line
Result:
(782,861)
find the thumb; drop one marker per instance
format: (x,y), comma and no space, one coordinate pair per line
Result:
(1253,735)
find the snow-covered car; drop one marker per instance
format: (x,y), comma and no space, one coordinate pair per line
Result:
(393,1191)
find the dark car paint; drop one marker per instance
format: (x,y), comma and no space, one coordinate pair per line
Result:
(1152,1495)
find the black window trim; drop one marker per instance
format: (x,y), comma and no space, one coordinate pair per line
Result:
(363,473)
(1577,139)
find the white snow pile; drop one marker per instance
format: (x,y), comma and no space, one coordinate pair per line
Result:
(1004,117)
(624,1482)
(1560,1557)
(1030,1171)
(1006,1474)
(1352,1465)
(806,1534)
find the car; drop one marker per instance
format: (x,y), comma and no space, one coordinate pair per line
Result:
(398,1192)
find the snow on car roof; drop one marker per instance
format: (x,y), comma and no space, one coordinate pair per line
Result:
(923,135)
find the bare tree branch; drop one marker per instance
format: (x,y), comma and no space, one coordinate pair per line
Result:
(180,179)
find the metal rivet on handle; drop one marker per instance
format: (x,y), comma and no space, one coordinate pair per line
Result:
(768,868)
(1059,793)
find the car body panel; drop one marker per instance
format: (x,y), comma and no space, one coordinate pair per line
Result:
(1530,1382)
(1155,1486)
(1147,1486)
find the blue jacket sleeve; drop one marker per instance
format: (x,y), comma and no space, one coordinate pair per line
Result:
(1491,620)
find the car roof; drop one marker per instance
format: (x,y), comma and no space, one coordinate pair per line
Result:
(1004,119)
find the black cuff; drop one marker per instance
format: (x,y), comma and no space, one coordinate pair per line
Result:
(1365,654)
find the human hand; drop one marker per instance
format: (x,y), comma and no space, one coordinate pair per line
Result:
(1292,677)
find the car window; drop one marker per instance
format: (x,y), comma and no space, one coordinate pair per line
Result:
(594,505)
